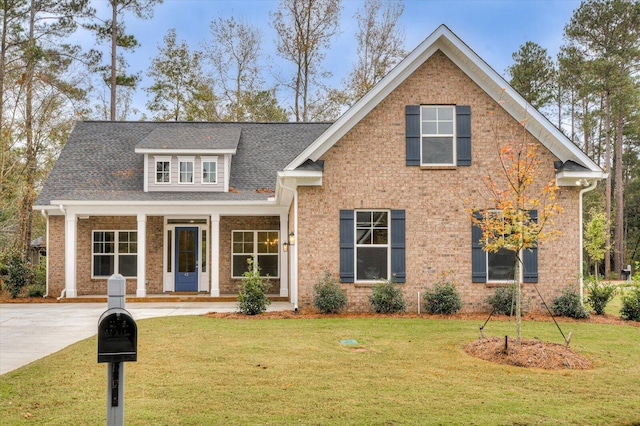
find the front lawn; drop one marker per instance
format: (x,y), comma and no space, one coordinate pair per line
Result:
(403,371)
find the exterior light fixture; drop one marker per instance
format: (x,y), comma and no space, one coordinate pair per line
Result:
(291,242)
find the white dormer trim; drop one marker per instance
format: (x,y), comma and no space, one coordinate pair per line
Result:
(480,72)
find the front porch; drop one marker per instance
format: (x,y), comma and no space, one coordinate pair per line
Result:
(169,257)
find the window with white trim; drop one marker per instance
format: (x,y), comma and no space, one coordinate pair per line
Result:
(437,135)
(163,170)
(262,246)
(372,245)
(114,252)
(209,169)
(185,170)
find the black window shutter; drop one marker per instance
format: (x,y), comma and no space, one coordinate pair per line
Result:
(478,255)
(347,267)
(398,266)
(412,134)
(530,257)
(463,135)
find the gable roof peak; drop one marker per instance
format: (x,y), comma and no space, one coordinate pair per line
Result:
(444,40)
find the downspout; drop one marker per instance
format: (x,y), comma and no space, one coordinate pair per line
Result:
(294,248)
(591,187)
(46,270)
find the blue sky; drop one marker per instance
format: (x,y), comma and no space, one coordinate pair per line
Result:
(493,29)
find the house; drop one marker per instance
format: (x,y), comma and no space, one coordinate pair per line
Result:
(180,207)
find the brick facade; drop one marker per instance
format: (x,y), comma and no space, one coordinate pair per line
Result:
(366,169)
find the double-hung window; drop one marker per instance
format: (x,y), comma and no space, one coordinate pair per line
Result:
(163,170)
(185,171)
(372,245)
(209,170)
(437,135)
(262,246)
(114,252)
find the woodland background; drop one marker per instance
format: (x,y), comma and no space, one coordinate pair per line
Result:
(590,90)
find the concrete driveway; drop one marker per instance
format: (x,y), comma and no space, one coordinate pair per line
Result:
(31,331)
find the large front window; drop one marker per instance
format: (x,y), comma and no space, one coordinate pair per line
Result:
(115,252)
(437,130)
(372,245)
(260,245)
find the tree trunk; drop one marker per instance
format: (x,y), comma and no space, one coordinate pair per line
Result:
(607,169)
(114,34)
(28,195)
(518,290)
(618,239)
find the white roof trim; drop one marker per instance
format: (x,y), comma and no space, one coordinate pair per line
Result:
(179,151)
(479,71)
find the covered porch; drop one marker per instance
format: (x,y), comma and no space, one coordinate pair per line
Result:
(166,254)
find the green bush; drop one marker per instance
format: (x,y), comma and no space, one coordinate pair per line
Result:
(600,294)
(568,304)
(19,274)
(443,299)
(36,290)
(252,299)
(631,305)
(386,297)
(328,297)
(503,300)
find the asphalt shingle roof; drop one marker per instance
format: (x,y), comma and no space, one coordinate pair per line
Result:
(99,163)
(191,137)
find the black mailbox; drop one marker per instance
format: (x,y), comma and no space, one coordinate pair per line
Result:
(117,336)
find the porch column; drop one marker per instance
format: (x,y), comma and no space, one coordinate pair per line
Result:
(215,255)
(284,257)
(141,290)
(70,249)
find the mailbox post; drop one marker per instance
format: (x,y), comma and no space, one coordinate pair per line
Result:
(117,343)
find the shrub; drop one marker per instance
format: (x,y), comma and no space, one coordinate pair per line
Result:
(600,294)
(443,299)
(568,304)
(386,297)
(502,301)
(252,299)
(36,290)
(19,274)
(631,305)
(328,297)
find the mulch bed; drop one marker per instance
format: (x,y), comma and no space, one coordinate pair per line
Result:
(529,353)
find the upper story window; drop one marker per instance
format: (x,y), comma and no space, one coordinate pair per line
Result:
(185,172)
(209,169)
(437,135)
(163,170)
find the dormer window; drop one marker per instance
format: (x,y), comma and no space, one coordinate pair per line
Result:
(163,170)
(185,173)
(209,170)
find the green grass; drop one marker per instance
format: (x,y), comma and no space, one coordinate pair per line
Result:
(203,371)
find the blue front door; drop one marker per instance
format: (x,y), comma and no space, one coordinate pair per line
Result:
(186,259)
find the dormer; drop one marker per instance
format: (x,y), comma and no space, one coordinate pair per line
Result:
(188,158)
